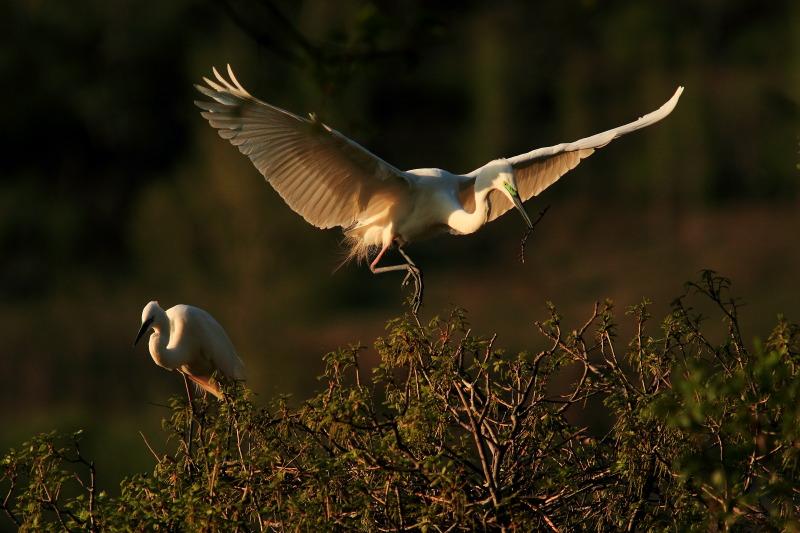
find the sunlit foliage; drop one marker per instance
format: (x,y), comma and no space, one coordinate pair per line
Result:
(450,433)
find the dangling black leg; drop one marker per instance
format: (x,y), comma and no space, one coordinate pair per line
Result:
(412,271)
(191,415)
(416,273)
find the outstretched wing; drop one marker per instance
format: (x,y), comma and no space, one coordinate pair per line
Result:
(321,174)
(537,170)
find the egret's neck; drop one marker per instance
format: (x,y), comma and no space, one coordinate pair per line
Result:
(464,222)
(163,356)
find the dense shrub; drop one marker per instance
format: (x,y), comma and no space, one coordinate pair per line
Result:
(449,433)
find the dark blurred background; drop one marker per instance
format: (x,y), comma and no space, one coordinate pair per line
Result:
(116,192)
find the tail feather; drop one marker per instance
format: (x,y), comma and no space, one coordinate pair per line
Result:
(205,384)
(357,250)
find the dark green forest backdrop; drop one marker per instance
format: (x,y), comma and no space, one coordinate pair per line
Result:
(115,191)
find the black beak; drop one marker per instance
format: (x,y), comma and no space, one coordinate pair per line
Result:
(145,326)
(518,205)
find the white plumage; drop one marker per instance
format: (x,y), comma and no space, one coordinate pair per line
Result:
(332,181)
(189,340)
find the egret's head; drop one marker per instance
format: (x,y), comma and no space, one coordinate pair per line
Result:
(148,317)
(504,180)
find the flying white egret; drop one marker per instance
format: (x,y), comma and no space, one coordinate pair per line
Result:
(189,340)
(332,181)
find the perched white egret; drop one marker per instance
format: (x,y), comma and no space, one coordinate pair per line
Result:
(332,181)
(189,340)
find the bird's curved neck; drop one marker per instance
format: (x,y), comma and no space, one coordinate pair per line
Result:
(465,222)
(163,356)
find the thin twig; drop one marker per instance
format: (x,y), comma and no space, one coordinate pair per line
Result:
(527,234)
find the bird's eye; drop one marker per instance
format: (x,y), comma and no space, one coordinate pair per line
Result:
(511,190)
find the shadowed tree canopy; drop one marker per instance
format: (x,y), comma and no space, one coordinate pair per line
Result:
(115,192)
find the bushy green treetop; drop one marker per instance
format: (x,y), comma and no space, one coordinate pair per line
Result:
(449,433)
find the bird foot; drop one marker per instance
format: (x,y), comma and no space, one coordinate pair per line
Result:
(416,300)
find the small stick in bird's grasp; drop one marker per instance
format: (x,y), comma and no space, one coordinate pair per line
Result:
(527,233)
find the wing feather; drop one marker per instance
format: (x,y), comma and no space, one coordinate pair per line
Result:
(538,169)
(321,174)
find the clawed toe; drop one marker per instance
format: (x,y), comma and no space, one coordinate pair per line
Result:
(416,300)
(412,272)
